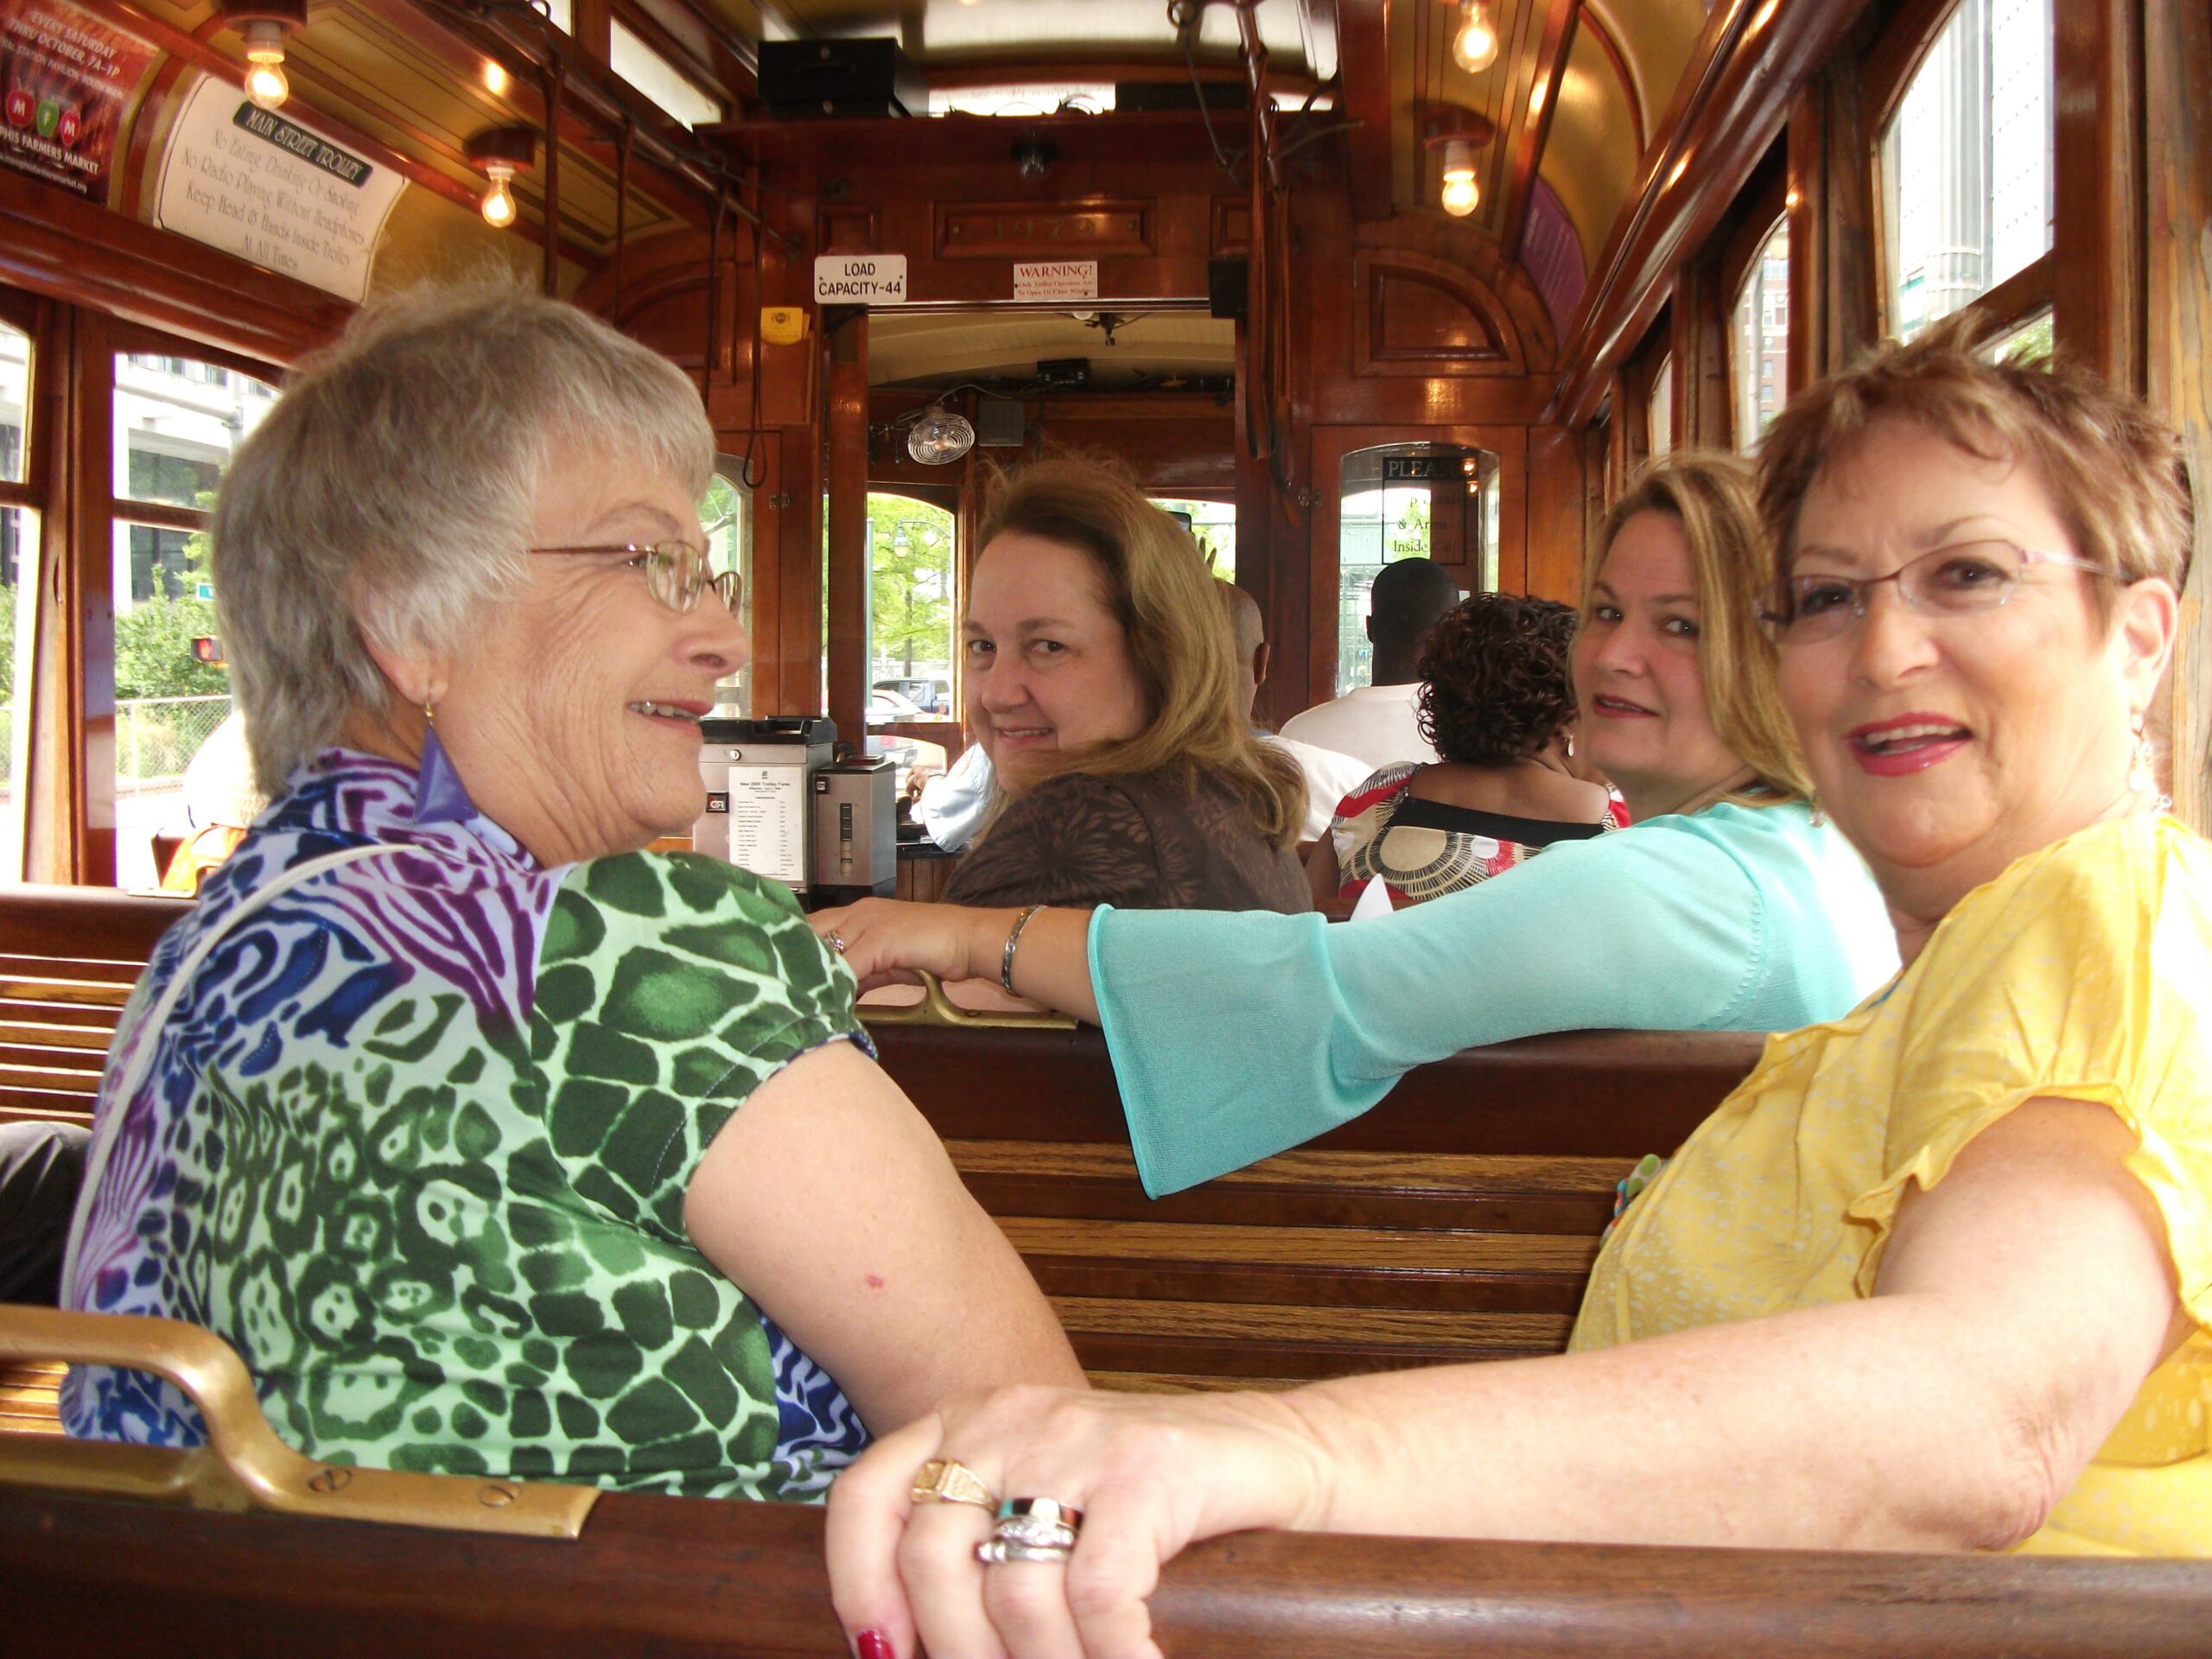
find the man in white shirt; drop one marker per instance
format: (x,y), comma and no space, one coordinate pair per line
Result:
(1378,723)
(1329,776)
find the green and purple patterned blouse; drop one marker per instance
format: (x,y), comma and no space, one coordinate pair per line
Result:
(415,1142)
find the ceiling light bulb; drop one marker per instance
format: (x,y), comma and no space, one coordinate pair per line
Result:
(499,206)
(1474,48)
(266,86)
(264,49)
(1460,193)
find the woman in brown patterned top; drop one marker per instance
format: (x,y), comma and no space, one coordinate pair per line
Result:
(1102,683)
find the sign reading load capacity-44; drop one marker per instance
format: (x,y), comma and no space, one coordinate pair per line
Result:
(860,279)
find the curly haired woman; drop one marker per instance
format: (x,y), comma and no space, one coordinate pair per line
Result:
(1497,704)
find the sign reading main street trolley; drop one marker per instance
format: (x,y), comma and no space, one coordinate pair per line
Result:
(860,279)
(272,190)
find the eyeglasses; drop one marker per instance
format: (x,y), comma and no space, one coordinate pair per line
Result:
(676,573)
(1954,581)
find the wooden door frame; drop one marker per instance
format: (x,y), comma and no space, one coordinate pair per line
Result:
(1332,444)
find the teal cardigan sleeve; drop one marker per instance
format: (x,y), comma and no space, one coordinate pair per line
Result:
(1234,1037)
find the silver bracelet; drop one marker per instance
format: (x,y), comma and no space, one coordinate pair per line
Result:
(1005,960)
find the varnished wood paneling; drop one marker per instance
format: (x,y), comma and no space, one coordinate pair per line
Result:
(1732,101)
(59,244)
(2097,248)
(2178,107)
(1556,522)
(1421,316)
(1002,230)
(846,433)
(683,1578)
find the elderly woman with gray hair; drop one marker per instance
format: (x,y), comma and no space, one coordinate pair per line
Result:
(431,1107)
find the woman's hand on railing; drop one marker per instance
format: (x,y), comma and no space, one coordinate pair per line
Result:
(892,942)
(1149,1473)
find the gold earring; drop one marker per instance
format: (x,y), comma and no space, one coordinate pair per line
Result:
(1813,802)
(1570,746)
(429,715)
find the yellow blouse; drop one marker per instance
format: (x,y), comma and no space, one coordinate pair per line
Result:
(2084,971)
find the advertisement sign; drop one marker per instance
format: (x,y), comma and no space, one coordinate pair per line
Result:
(65,78)
(270,189)
(1057,279)
(861,279)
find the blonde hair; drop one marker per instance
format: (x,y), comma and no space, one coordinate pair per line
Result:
(2111,468)
(1154,582)
(1710,496)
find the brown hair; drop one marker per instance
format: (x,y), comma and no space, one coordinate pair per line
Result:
(1155,583)
(1495,682)
(1709,494)
(2111,468)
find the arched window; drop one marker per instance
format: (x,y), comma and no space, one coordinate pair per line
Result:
(1966,169)
(1758,356)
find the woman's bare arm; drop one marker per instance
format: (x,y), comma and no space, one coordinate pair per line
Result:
(833,1204)
(2022,1302)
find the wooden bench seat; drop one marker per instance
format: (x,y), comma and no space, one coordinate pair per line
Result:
(1457,1220)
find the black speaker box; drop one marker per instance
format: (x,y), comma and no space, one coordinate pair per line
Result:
(813,80)
(1227,283)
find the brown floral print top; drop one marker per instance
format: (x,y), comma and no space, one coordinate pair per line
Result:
(1137,842)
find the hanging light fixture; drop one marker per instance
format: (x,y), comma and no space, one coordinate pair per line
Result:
(1474,47)
(940,436)
(264,25)
(1460,194)
(1455,132)
(499,153)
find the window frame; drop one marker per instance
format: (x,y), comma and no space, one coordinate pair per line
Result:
(100,511)
(1893,63)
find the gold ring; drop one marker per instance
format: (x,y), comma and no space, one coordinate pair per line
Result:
(836,941)
(942,1480)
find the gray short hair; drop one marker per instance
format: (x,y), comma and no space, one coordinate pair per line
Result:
(391,492)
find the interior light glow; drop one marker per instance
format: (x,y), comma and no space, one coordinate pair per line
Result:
(499,205)
(1461,195)
(1474,48)
(265,84)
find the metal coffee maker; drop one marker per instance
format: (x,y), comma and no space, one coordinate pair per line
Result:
(855,830)
(759,776)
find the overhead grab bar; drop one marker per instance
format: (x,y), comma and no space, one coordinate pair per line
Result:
(243,1466)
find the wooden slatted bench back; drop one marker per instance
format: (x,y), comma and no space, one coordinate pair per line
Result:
(69,958)
(1457,1221)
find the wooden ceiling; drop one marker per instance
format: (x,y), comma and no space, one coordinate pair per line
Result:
(965,36)
(1572,97)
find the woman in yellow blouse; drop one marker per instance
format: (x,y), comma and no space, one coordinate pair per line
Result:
(1939,1275)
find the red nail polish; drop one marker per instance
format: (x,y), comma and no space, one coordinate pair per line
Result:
(873,1644)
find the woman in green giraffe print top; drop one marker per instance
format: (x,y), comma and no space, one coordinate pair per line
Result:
(506,1146)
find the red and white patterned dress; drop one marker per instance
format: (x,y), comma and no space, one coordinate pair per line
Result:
(1423,849)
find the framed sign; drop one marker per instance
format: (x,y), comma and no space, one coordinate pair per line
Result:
(860,279)
(270,189)
(66,77)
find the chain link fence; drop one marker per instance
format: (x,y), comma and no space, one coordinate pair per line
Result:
(156,736)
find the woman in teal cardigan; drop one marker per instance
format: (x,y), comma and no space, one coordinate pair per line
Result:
(1728,905)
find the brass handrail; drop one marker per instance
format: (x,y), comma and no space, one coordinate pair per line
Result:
(243,1466)
(936,1009)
